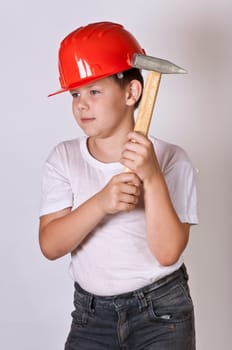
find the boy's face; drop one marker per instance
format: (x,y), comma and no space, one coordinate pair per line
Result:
(101,108)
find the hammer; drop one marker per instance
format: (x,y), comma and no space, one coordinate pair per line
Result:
(156,66)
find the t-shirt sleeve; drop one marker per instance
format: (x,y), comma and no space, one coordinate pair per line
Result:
(181,181)
(56,188)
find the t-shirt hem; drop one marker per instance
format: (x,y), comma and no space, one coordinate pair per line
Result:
(53,208)
(190,219)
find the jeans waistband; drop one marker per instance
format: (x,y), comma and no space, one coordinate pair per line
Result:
(138,293)
(181,272)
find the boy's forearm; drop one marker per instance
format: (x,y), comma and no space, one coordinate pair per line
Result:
(64,234)
(166,235)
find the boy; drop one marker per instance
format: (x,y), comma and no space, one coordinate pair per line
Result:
(126,231)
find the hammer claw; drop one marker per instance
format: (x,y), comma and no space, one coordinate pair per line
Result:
(156,64)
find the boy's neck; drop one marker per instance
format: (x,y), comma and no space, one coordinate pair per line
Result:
(106,150)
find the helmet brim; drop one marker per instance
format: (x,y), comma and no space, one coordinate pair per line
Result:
(87,81)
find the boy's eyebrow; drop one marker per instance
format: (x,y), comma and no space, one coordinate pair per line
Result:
(86,86)
(93,84)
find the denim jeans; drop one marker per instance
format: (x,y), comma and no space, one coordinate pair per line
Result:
(157,317)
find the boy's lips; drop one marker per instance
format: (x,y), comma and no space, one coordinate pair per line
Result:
(87,119)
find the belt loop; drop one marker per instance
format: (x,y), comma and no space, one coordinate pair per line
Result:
(89,303)
(141,299)
(185,273)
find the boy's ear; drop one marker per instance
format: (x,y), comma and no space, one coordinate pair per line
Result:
(134,90)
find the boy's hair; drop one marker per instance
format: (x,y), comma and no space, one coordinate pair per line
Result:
(123,78)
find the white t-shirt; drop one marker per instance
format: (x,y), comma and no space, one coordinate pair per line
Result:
(115,258)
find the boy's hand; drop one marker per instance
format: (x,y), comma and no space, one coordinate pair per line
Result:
(139,156)
(120,194)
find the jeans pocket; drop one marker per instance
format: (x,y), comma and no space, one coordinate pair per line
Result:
(172,306)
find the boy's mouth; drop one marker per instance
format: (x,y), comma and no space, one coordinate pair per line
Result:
(87,119)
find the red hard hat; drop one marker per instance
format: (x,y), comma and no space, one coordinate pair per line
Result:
(94,52)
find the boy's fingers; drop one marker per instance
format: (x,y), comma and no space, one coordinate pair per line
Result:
(129,199)
(134,137)
(131,189)
(139,145)
(129,177)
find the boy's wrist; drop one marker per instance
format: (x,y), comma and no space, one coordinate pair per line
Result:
(99,203)
(156,179)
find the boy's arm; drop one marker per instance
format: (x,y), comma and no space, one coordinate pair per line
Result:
(167,236)
(63,231)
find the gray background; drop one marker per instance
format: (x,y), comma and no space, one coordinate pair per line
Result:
(192,111)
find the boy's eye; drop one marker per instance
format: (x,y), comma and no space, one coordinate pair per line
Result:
(75,94)
(94,92)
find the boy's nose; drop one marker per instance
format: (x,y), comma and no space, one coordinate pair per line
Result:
(81,103)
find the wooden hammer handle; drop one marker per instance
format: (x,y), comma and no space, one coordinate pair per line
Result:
(147,104)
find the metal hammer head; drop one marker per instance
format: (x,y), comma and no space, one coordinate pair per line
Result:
(155,64)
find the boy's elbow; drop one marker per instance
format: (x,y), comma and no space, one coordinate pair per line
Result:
(167,258)
(48,253)
(47,250)
(49,256)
